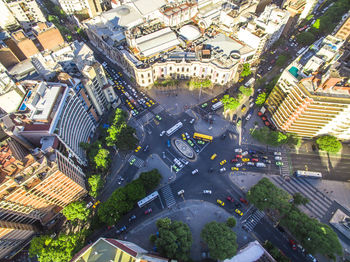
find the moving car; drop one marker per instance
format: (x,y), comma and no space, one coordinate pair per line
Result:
(162,133)
(132,161)
(181,192)
(238,150)
(96,204)
(245,159)
(213,156)
(222,170)
(208,192)
(234,168)
(239,165)
(137,149)
(133,217)
(158,117)
(250,163)
(190,142)
(168,143)
(293,244)
(221,203)
(223,162)
(279,163)
(183,136)
(195,171)
(234,160)
(239,156)
(277,153)
(278,158)
(243,200)
(204,105)
(245,153)
(255,159)
(239,212)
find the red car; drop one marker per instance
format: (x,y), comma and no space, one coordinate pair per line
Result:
(148,211)
(238,156)
(234,160)
(293,244)
(243,200)
(254,160)
(264,118)
(260,114)
(230,199)
(267,123)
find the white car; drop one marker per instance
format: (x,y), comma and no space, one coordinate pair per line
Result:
(207,192)
(239,165)
(248,117)
(222,170)
(269,68)
(251,104)
(187,135)
(277,153)
(245,153)
(184,161)
(278,158)
(195,171)
(238,150)
(192,121)
(250,164)
(162,133)
(181,192)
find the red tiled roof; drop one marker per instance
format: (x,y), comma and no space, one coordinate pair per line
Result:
(36,127)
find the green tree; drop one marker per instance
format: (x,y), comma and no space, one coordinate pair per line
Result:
(329,144)
(316,24)
(266,136)
(265,195)
(245,91)
(150,179)
(101,159)
(126,139)
(198,83)
(282,60)
(260,100)
(314,236)
(299,199)
(246,70)
(95,183)
(306,38)
(231,222)
(175,239)
(221,240)
(135,191)
(61,249)
(230,103)
(76,210)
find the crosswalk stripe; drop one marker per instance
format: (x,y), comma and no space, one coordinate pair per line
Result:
(168,195)
(253,220)
(158,109)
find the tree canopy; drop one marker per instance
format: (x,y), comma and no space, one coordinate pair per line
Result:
(329,144)
(174,240)
(265,195)
(150,179)
(246,91)
(299,199)
(231,222)
(246,70)
(198,83)
(221,240)
(61,249)
(306,38)
(101,159)
(230,103)
(261,98)
(275,138)
(282,60)
(76,210)
(95,183)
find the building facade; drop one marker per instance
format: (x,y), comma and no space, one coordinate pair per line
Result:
(342,31)
(89,7)
(27,12)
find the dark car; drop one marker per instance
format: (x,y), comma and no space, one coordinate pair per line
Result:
(252,151)
(146,148)
(238,156)
(133,217)
(293,244)
(238,205)
(223,136)
(254,155)
(234,117)
(234,160)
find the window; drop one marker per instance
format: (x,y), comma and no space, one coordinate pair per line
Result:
(143,81)
(149,74)
(141,75)
(188,70)
(170,68)
(183,69)
(195,68)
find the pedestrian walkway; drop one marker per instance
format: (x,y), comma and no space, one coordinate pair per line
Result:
(146,118)
(157,109)
(253,220)
(318,204)
(167,195)
(138,162)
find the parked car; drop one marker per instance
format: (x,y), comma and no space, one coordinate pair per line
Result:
(252,152)
(234,160)
(255,159)
(238,150)
(162,133)
(243,200)
(133,217)
(230,199)
(239,165)
(222,170)
(267,161)
(213,157)
(250,164)
(277,153)
(278,163)
(293,244)
(168,143)
(278,158)
(234,168)
(181,192)
(221,203)
(223,162)
(245,153)
(238,212)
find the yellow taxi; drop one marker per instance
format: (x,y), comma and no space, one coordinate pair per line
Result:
(245,159)
(137,149)
(239,212)
(223,162)
(96,204)
(234,168)
(183,136)
(148,104)
(213,156)
(240,80)
(214,100)
(221,203)
(151,102)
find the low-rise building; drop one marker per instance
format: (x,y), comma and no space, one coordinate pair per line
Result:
(21,45)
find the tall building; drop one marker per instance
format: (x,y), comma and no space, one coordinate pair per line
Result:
(115,250)
(342,31)
(89,7)
(27,12)
(7,21)
(34,189)
(59,109)
(311,97)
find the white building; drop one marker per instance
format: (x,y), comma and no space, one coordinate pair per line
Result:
(27,12)
(7,20)
(90,7)
(273,20)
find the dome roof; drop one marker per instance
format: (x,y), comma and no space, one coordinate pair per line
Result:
(123,10)
(190,32)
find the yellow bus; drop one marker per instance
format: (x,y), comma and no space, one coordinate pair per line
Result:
(203,137)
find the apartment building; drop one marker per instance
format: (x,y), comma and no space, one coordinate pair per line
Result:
(115,250)
(21,45)
(26,12)
(342,31)
(48,37)
(34,189)
(311,98)
(89,7)
(7,21)
(55,109)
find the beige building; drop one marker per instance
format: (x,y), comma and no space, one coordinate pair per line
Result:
(22,46)
(89,7)
(342,31)
(311,98)
(27,12)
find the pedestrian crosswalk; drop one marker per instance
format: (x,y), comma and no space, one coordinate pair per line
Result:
(168,195)
(253,220)
(157,109)
(146,118)
(138,162)
(318,204)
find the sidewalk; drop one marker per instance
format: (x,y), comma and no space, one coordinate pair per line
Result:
(195,213)
(216,129)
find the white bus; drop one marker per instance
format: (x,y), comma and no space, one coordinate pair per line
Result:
(174,129)
(147,199)
(217,106)
(307,174)
(301,51)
